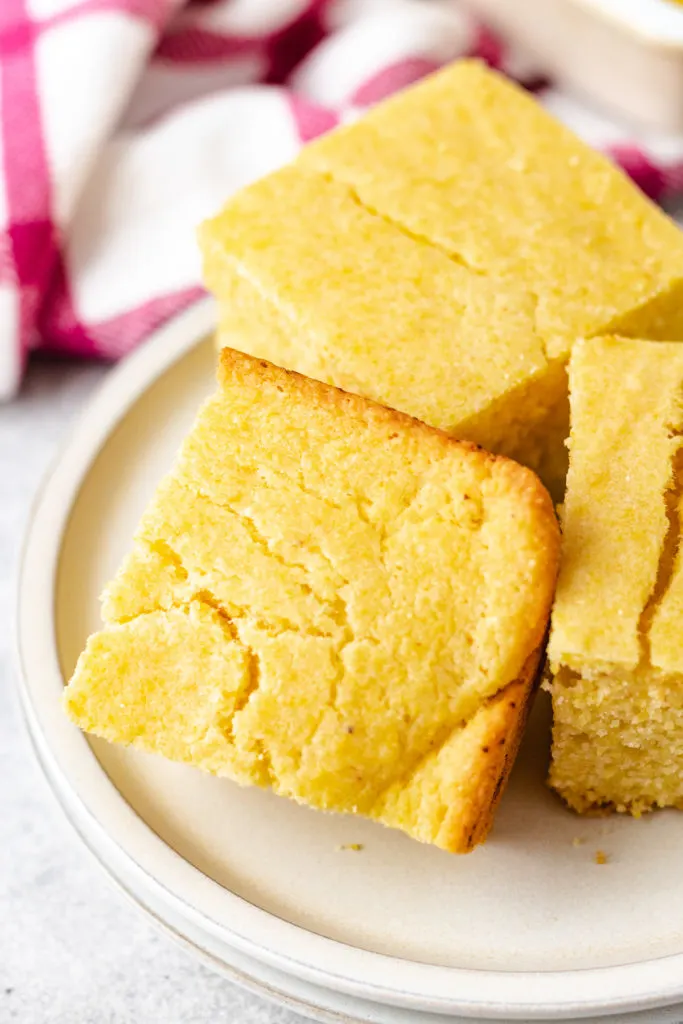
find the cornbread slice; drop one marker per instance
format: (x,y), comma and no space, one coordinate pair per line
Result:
(615,646)
(332,599)
(440,255)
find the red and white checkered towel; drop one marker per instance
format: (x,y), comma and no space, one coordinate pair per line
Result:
(123,123)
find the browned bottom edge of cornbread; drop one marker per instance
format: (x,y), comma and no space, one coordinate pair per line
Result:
(495,735)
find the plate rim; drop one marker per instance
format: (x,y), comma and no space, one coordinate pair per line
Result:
(250,980)
(97,809)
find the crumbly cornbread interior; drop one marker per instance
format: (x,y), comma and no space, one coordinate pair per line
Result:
(615,650)
(441,255)
(331,599)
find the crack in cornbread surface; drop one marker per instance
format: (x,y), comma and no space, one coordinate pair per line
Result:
(348,296)
(440,255)
(615,650)
(334,600)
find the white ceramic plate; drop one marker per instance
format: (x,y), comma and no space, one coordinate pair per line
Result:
(527,927)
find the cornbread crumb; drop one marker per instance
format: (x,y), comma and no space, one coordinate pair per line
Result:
(578,841)
(601,857)
(419,256)
(330,599)
(615,651)
(356,847)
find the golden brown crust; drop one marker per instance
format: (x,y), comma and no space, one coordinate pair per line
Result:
(257,373)
(458,792)
(498,732)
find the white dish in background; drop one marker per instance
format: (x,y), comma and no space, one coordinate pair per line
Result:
(527,927)
(626,55)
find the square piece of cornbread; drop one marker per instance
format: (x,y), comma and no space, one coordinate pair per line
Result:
(334,600)
(615,646)
(440,255)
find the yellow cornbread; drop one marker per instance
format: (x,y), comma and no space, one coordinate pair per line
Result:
(615,646)
(334,600)
(441,255)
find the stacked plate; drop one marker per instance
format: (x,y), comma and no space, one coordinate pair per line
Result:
(337,917)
